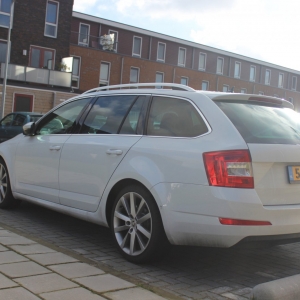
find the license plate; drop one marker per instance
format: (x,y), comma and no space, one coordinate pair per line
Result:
(294,174)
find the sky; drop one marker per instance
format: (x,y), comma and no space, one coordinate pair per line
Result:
(268,30)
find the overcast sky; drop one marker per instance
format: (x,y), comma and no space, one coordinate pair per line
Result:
(264,29)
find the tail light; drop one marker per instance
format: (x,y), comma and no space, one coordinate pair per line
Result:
(224,221)
(229,168)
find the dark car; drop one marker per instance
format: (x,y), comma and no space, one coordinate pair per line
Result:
(12,124)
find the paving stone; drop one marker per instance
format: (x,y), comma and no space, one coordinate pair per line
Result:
(75,270)
(6,283)
(234,297)
(22,269)
(51,258)
(17,294)
(7,257)
(221,290)
(15,240)
(32,249)
(45,283)
(2,248)
(104,283)
(133,294)
(7,233)
(72,294)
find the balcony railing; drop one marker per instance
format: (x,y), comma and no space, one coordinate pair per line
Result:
(105,42)
(36,75)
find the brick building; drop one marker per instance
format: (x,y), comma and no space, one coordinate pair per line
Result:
(139,55)
(56,52)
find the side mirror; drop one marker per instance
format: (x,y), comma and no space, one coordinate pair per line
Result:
(29,128)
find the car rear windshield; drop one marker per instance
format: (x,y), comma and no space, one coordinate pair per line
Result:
(35,118)
(263,124)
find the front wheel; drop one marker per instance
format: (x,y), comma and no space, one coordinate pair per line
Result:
(137,226)
(6,198)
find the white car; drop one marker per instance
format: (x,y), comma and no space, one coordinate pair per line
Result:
(163,166)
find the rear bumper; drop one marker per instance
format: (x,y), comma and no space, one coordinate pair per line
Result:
(191,214)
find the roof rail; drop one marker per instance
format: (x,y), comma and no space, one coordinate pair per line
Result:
(174,86)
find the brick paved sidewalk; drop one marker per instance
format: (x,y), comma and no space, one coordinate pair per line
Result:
(30,271)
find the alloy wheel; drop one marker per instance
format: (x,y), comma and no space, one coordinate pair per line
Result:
(132,223)
(3,183)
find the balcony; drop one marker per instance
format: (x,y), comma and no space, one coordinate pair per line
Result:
(106,42)
(36,75)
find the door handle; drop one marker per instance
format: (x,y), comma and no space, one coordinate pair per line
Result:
(54,148)
(114,151)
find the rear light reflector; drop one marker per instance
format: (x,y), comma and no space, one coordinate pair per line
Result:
(229,168)
(225,221)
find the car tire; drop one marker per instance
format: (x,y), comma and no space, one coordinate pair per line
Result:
(7,200)
(136,225)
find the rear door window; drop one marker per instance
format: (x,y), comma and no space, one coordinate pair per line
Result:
(174,117)
(263,124)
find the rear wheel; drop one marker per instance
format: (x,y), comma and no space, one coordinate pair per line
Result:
(136,225)
(6,198)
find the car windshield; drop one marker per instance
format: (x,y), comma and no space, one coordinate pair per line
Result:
(35,118)
(263,124)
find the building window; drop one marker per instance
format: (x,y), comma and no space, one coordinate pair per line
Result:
(75,72)
(252,73)
(134,75)
(23,102)
(84,32)
(42,57)
(237,70)
(181,56)
(159,77)
(244,91)
(291,100)
(51,19)
(161,51)
(115,33)
(137,46)
(5,6)
(280,80)
(275,95)
(268,77)
(205,85)
(220,64)
(104,73)
(202,61)
(225,88)
(294,83)
(261,93)
(3,49)
(184,80)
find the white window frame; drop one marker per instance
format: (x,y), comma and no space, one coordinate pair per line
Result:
(207,82)
(240,68)
(158,59)
(77,76)
(88,36)
(111,31)
(137,54)
(267,83)
(205,55)
(254,77)
(222,65)
(261,93)
(184,49)
(294,88)
(280,85)
(108,75)
(46,23)
(243,91)
(227,88)
(187,80)
(138,74)
(10,16)
(163,79)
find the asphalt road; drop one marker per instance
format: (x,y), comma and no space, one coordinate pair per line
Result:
(186,272)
